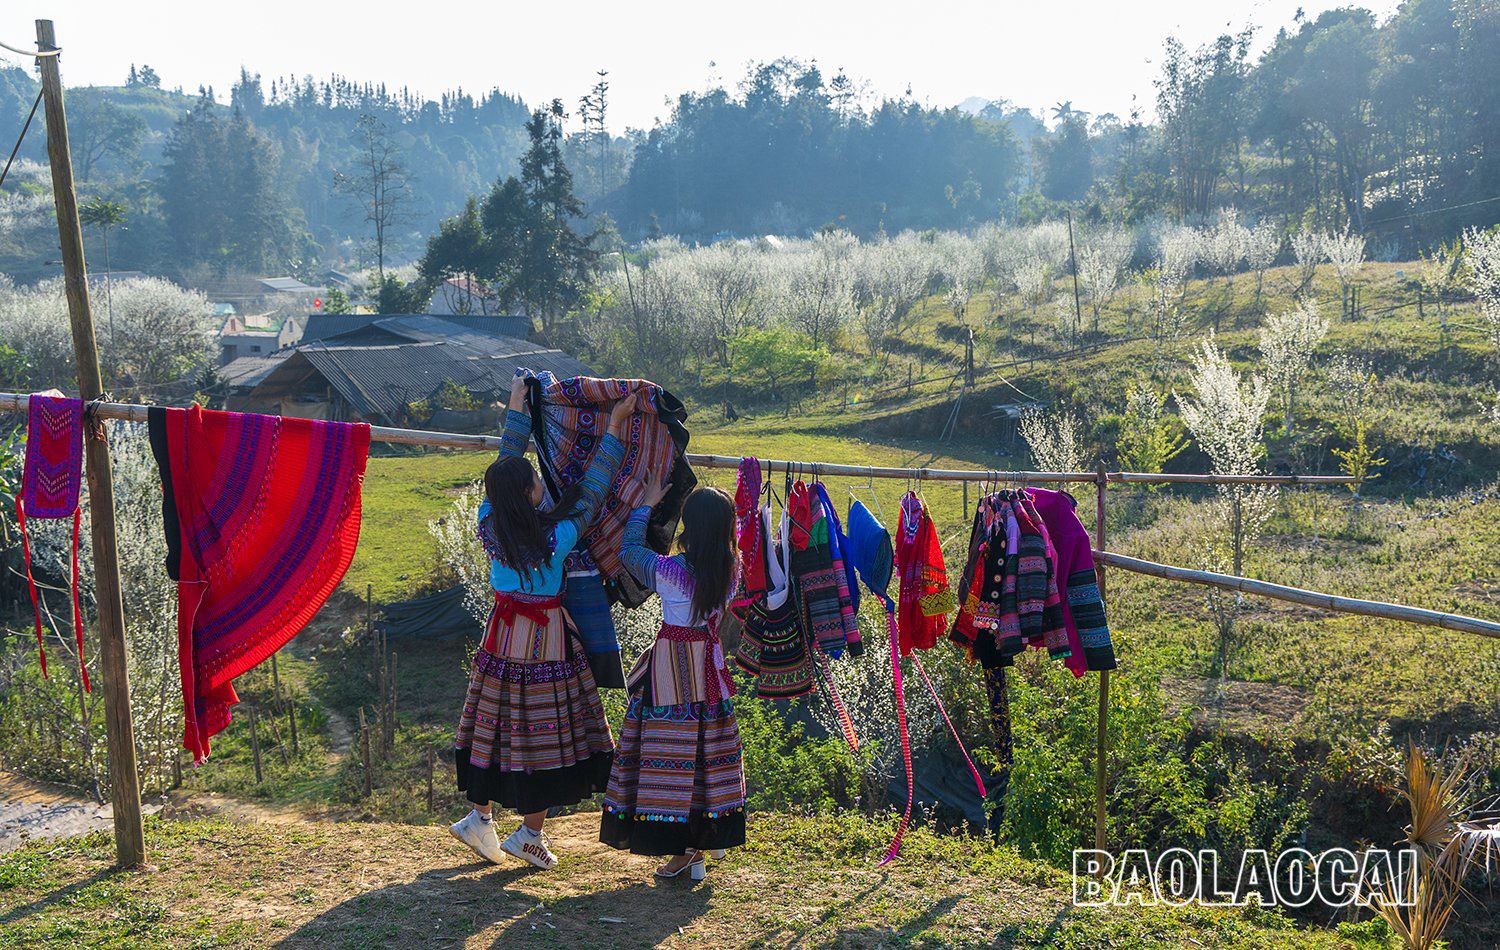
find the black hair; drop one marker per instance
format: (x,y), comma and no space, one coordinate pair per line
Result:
(520,529)
(707,544)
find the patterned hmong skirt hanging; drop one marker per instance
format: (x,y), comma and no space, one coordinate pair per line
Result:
(262,517)
(678,780)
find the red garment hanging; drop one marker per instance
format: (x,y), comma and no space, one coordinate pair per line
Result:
(262,516)
(926,597)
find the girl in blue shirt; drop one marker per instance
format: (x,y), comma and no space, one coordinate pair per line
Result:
(532,735)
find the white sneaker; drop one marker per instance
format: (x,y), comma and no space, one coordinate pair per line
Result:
(479,835)
(529,846)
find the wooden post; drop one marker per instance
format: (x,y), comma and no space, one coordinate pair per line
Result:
(1077,300)
(124,777)
(429,778)
(291,715)
(276,682)
(255,744)
(1101,754)
(364,750)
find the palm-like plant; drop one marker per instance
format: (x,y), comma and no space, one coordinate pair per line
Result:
(104,213)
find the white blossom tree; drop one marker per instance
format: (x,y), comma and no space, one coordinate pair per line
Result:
(1346,252)
(1261,250)
(1227,244)
(1482,276)
(1102,260)
(1288,341)
(1226,416)
(1055,437)
(1309,248)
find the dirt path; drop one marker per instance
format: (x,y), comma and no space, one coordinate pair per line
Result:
(31,809)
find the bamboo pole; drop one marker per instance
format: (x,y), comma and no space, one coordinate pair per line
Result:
(489,443)
(1309,598)
(124,776)
(1101,753)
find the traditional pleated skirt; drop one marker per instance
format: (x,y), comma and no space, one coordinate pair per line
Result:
(532,735)
(678,780)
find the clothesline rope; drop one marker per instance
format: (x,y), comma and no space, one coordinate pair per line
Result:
(454,440)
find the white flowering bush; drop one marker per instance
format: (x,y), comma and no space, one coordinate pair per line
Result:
(1288,341)
(1055,437)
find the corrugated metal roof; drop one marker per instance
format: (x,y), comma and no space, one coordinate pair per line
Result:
(286,285)
(327,326)
(381,380)
(248,371)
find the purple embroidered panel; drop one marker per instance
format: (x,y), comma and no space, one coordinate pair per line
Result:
(54,457)
(512,671)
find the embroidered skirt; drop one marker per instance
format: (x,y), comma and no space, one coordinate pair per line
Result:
(678,780)
(532,735)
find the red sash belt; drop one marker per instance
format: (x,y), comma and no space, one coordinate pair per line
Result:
(718,685)
(510,606)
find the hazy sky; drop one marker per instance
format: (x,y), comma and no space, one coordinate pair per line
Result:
(1098,53)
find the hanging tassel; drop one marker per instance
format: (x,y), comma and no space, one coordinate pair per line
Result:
(890,621)
(978,782)
(36,609)
(83,669)
(825,675)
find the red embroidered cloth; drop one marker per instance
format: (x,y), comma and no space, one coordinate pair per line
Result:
(926,597)
(262,517)
(568,418)
(49,489)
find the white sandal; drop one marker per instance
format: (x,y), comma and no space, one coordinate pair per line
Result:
(696,869)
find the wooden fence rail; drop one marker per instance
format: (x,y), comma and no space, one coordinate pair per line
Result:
(1309,598)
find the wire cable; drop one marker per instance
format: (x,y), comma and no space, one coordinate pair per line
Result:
(35,54)
(21,138)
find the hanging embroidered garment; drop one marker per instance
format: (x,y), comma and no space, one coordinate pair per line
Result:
(814,580)
(50,481)
(926,597)
(774,645)
(569,417)
(846,580)
(262,516)
(748,536)
(587,605)
(1082,608)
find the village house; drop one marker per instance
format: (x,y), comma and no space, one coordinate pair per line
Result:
(390,370)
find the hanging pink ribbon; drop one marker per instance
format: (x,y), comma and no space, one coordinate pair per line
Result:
(895,848)
(978,782)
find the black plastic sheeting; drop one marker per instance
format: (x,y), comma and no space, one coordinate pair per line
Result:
(436,616)
(941,781)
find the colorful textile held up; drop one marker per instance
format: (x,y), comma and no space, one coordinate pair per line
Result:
(262,517)
(678,780)
(569,418)
(50,482)
(926,597)
(532,733)
(748,535)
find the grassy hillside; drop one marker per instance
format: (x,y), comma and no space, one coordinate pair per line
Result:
(801,882)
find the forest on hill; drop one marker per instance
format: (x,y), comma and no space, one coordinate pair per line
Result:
(1385,128)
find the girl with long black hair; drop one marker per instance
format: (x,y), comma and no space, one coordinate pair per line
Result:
(678,784)
(532,735)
